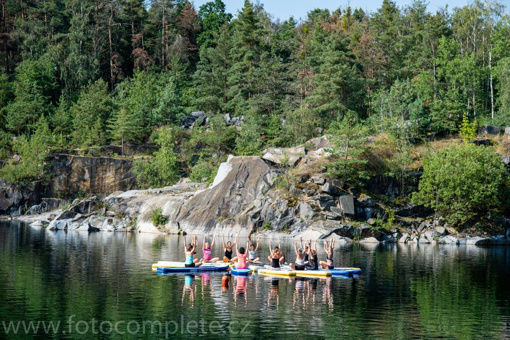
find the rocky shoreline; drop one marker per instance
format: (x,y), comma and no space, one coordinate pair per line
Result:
(247,198)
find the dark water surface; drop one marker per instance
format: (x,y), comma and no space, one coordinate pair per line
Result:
(100,285)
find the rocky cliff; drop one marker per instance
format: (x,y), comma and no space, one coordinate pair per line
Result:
(89,175)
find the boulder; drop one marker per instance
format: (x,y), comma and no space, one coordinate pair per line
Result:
(507,131)
(200,121)
(289,156)
(482,141)
(347,204)
(303,178)
(440,230)
(389,239)
(319,143)
(506,160)
(477,240)
(404,238)
(333,187)
(489,130)
(448,240)
(197,114)
(306,212)
(423,240)
(369,240)
(318,180)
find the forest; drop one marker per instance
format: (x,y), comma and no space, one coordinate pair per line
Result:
(78,74)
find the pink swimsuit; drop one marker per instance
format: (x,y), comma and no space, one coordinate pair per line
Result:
(207,254)
(241,261)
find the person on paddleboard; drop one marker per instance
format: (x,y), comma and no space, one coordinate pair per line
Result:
(252,253)
(313,263)
(228,249)
(207,251)
(300,258)
(328,248)
(241,257)
(190,251)
(274,257)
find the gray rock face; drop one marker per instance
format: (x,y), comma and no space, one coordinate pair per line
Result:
(404,238)
(235,201)
(90,175)
(347,205)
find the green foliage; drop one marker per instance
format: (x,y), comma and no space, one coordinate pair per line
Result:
(461,181)
(90,114)
(157,217)
(32,154)
(346,161)
(468,130)
(162,169)
(203,171)
(267,225)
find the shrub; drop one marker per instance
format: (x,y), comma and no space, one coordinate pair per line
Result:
(157,217)
(462,181)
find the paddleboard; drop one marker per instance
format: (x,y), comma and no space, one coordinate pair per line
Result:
(201,269)
(277,272)
(240,272)
(313,273)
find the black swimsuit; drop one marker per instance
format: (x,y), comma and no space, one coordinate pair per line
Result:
(275,263)
(228,254)
(313,264)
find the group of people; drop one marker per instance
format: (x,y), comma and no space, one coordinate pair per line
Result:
(306,254)
(242,256)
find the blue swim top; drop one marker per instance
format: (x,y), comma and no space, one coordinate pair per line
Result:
(189,259)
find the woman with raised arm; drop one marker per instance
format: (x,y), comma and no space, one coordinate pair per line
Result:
(328,248)
(274,257)
(189,251)
(306,249)
(300,259)
(241,257)
(252,253)
(227,249)
(312,263)
(207,251)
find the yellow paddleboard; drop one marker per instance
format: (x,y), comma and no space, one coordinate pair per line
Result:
(277,272)
(312,273)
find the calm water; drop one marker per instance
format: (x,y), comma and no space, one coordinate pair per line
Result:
(101,285)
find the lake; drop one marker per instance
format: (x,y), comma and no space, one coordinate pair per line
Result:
(57,284)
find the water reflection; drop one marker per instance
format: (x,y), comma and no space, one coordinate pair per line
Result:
(405,291)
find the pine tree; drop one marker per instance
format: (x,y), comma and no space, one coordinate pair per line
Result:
(125,127)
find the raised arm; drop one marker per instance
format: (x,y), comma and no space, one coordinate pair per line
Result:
(257,247)
(203,243)
(223,241)
(295,247)
(212,243)
(185,247)
(326,247)
(235,243)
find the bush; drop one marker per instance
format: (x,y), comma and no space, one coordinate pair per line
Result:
(157,217)
(462,181)
(162,169)
(203,171)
